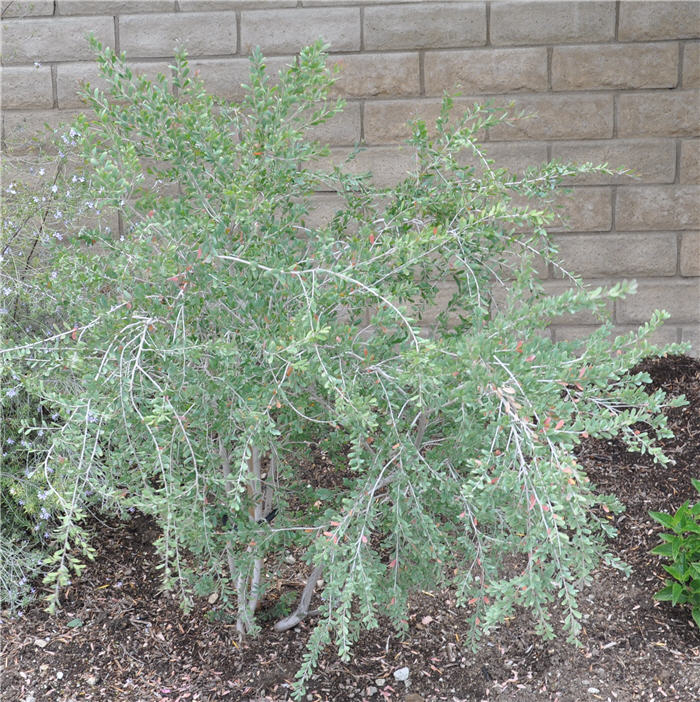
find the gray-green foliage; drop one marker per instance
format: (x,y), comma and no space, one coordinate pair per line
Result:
(32,214)
(207,347)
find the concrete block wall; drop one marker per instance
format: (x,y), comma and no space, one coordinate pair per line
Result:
(614,82)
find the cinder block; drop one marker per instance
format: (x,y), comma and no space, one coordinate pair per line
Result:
(385,121)
(224,77)
(616,66)
(427,25)
(388,164)
(662,336)
(640,21)
(545,117)
(690,162)
(106,221)
(681,298)
(690,254)
(26,8)
(25,171)
(341,130)
(659,113)
(26,87)
(287,31)
(445,291)
(650,160)
(515,156)
(332,3)
(512,261)
(657,207)
(583,210)
(25,130)
(558,287)
(690,334)
(377,75)
(486,70)
(200,34)
(72,77)
(518,22)
(54,39)
(323,207)
(214,5)
(112,7)
(557,117)
(691,65)
(618,255)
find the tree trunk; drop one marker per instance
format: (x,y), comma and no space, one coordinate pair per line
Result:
(247,584)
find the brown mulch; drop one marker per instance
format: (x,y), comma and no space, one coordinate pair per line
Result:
(133,642)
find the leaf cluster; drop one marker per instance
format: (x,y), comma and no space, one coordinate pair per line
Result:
(681,545)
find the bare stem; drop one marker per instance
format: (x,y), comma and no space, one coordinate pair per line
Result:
(302,609)
(233,571)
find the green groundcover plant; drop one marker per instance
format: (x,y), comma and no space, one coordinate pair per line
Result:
(681,545)
(201,350)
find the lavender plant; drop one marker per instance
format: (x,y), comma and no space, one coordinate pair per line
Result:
(33,212)
(204,347)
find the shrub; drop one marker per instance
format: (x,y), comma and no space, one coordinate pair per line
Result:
(221,333)
(682,547)
(30,210)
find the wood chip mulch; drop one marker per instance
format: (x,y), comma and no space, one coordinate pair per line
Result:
(119,638)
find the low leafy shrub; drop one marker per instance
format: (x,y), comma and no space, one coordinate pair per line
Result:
(682,547)
(220,333)
(29,212)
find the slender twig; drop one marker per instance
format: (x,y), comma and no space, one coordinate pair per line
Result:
(228,487)
(302,610)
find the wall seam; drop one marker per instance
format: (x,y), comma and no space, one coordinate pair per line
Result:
(117,39)
(54,88)
(488,24)
(421,73)
(362,28)
(362,121)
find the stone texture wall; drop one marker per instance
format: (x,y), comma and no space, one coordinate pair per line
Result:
(612,82)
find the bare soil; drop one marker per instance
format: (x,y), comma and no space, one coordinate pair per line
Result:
(134,643)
